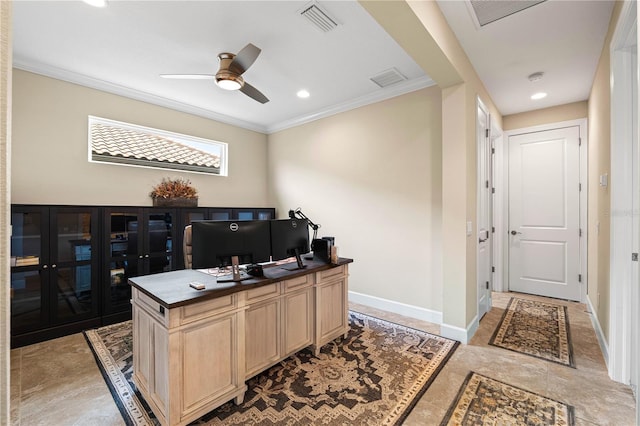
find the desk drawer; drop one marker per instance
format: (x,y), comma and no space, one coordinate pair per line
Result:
(331,274)
(208,308)
(262,293)
(298,282)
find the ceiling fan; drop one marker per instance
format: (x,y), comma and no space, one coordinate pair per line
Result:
(229,75)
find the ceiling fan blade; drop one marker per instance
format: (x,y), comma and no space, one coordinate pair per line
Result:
(189,76)
(245,58)
(254,93)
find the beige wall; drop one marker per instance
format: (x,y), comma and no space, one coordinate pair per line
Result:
(372,178)
(5,201)
(421,29)
(599,197)
(556,114)
(50,149)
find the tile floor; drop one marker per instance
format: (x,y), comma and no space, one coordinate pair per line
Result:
(58,382)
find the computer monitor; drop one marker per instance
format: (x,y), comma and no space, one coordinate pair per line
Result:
(218,243)
(289,237)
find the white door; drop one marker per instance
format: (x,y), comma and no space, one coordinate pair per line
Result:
(544,213)
(624,320)
(484,212)
(635,197)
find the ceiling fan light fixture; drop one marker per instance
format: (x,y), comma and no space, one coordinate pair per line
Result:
(229,84)
(229,81)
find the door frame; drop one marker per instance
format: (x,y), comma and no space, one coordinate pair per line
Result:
(623,278)
(581,123)
(484,140)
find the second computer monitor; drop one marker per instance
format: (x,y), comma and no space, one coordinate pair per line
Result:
(289,238)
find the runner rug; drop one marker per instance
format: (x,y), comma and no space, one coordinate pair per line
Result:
(485,401)
(375,376)
(536,328)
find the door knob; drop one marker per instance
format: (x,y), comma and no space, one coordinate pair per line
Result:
(515,232)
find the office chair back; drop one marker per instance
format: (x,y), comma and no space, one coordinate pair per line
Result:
(187,249)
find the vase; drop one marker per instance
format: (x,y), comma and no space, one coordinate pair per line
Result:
(175,202)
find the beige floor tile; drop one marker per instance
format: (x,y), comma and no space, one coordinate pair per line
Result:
(59,383)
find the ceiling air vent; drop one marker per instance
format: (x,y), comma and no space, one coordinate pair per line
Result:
(319,17)
(388,77)
(488,11)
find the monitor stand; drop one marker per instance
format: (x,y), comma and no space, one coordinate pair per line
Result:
(298,265)
(236,275)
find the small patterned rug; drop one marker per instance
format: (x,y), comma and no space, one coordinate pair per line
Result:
(536,328)
(485,401)
(375,376)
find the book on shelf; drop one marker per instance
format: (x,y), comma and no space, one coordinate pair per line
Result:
(27,260)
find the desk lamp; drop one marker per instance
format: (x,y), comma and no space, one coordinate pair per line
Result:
(298,213)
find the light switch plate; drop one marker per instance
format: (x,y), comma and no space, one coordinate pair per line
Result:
(469,228)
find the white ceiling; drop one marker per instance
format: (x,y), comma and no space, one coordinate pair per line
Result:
(562,38)
(124,47)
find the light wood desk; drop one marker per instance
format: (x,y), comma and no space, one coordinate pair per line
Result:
(193,350)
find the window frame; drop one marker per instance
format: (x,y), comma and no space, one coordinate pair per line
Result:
(191,141)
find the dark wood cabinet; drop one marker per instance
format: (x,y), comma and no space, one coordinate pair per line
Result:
(70,265)
(54,271)
(136,241)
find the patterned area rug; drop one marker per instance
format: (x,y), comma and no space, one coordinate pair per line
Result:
(536,328)
(485,401)
(373,377)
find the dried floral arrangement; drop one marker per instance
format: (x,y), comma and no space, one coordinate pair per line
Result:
(174,188)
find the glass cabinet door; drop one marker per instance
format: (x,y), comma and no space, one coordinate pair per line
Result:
(29,278)
(254,214)
(123,255)
(265,214)
(159,239)
(73,263)
(219,214)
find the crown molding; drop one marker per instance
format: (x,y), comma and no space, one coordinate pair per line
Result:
(378,96)
(128,92)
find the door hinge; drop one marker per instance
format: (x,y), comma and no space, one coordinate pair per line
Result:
(579,187)
(493,269)
(493,150)
(493,229)
(493,190)
(579,141)
(486,184)
(579,278)
(580,232)
(634,257)
(487,285)
(486,133)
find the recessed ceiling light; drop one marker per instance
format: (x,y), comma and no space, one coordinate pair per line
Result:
(538,95)
(303,94)
(96,3)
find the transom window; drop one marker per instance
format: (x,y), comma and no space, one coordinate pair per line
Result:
(121,143)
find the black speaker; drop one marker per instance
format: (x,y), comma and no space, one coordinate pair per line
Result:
(321,250)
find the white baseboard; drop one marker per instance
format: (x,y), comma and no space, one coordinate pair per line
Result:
(596,326)
(449,331)
(463,335)
(396,307)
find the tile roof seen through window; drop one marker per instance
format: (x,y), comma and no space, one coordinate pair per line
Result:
(116,144)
